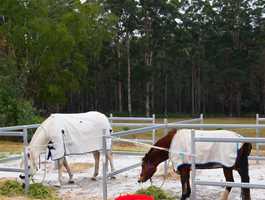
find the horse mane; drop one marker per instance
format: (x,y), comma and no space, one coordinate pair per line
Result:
(163,142)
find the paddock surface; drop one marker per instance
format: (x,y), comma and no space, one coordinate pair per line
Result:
(85,188)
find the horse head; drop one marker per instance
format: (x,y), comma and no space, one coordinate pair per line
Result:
(148,168)
(38,144)
(155,156)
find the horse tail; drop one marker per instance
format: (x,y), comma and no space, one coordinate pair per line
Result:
(247,147)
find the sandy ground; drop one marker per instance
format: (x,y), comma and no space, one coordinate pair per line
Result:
(85,188)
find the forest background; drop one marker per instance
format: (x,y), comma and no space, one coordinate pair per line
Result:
(131,57)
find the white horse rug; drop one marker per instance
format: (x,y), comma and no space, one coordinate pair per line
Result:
(75,133)
(215,153)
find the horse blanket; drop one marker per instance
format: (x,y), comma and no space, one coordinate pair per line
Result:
(207,153)
(71,134)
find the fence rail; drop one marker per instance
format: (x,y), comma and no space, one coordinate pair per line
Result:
(5,169)
(195,182)
(150,119)
(132,118)
(230,184)
(3,160)
(20,127)
(11,134)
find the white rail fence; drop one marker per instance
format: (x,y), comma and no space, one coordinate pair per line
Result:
(22,131)
(190,126)
(151,120)
(18,131)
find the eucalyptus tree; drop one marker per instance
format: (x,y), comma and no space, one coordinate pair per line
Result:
(126,28)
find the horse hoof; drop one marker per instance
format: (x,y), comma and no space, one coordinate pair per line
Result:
(93,178)
(71,182)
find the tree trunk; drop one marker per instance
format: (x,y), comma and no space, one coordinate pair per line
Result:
(193,89)
(238,102)
(147,98)
(153,95)
(129,75)
(119,81)
(165,95)
(148,59)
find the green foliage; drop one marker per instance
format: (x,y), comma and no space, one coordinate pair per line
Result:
(125,128)
(26,113)
(11,188)
(36,190)
(156,192)
(40,191)
(198,56)
(17,111)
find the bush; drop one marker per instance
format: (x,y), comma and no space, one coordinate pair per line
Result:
(156,192)
(26,113)
(17,112)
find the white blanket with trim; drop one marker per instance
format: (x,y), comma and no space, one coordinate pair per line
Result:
(75,133)
(206,152)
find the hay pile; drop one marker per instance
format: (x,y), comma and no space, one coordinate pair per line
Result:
(12,188)
(157,193)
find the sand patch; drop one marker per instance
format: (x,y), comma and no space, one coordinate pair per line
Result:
(79,167)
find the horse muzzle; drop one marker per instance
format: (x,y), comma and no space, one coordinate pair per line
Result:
(142,179)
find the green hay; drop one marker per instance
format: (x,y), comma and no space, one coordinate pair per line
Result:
(157,193)
(13,188)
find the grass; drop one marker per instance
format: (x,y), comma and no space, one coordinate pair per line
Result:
(14,189)
(11,147)
(157,193)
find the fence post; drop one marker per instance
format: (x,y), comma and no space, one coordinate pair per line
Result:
(193,167)
(26,166)
(201,119)
(257,136)
(154,131)
(166,162)
(104,168)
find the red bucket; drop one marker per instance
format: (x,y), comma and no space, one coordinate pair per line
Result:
(135,197)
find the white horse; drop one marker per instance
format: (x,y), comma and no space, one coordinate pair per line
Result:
(71,134)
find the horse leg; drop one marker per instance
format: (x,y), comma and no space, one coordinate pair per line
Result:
(228,173)
(185,183)
(65,163)
(96,157)
(60,170)
(110,159)
(243,172)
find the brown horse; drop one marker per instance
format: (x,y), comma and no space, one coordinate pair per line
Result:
(155,156)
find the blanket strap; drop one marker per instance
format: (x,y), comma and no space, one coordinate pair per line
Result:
(50,147)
